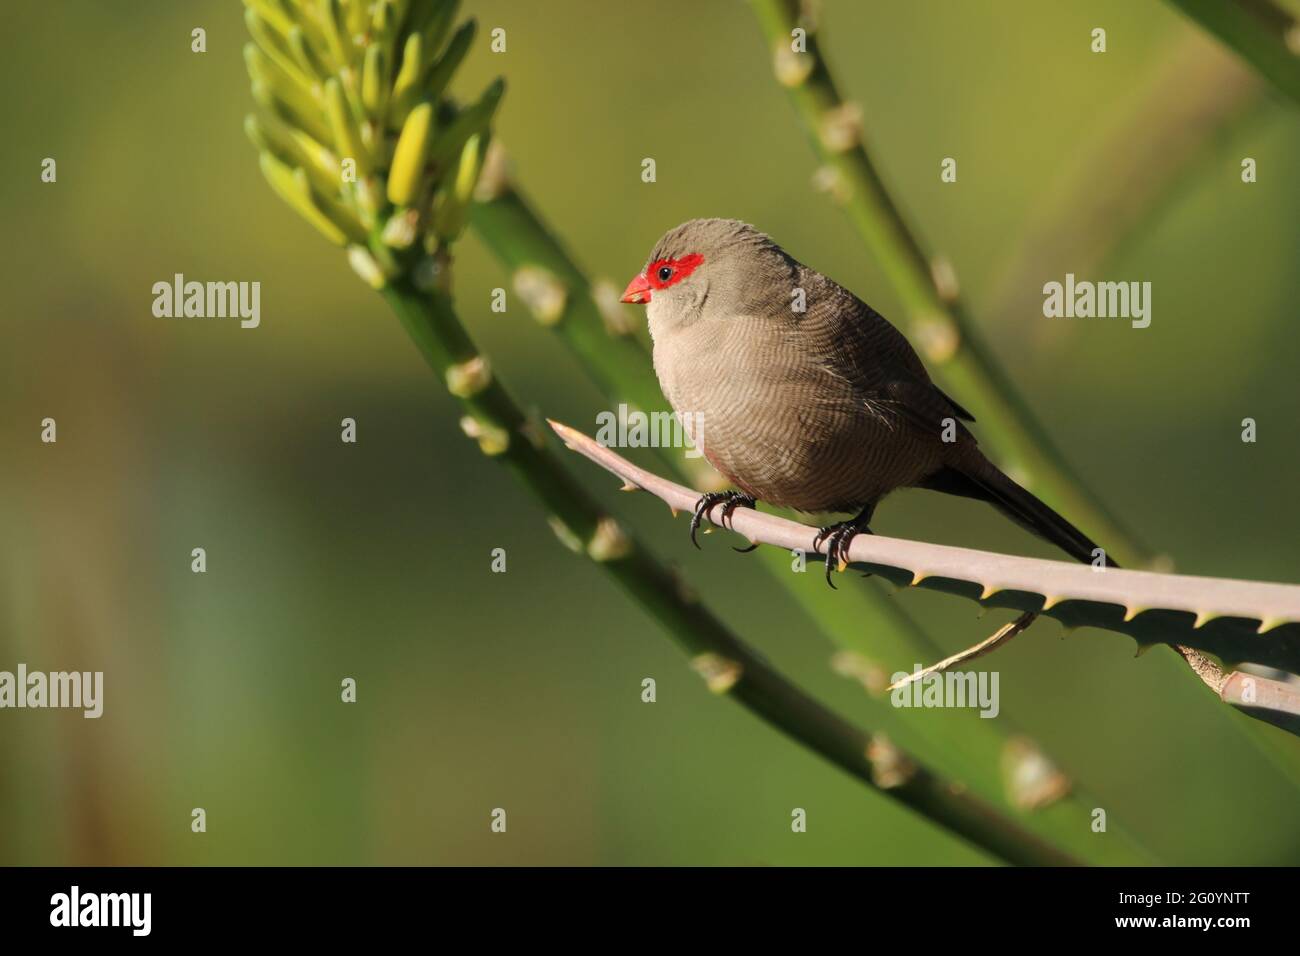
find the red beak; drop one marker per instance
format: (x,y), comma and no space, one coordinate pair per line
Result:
(638,290)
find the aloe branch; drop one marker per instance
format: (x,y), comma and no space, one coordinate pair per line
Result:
(1237,621)
(933,309)
(878,636)
(1260,31)
(359,139)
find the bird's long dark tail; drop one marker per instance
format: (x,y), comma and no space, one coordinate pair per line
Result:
(985,482)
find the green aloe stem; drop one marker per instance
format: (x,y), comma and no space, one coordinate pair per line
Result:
(937,319)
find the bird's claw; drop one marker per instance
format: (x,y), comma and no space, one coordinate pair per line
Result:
(731,500)
(837,538)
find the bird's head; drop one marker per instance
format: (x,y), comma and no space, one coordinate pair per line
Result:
(708,268)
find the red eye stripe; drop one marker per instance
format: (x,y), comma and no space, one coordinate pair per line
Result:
(681,269)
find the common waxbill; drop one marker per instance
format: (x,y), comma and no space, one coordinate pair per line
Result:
(824,409)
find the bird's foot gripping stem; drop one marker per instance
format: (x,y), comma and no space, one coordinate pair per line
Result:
(731,500)
(837,538)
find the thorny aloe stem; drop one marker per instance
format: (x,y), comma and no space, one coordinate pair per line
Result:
(870,627)
(1073,593)
(338,80)
(726,663)
(938,320)
(1264,34)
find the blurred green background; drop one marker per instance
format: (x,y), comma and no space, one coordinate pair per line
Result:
(481,690)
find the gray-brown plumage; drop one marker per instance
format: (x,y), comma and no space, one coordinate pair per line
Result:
(827,409)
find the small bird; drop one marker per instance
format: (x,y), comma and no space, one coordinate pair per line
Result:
(803,396)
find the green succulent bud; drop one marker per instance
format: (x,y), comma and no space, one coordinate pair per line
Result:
(347,137)
(407,85)
(441,72)
(475,119)
(293,187)
(374,88)
(304,53)
(336,32)
(451,212)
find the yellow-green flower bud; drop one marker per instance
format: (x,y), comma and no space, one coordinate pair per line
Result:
(411,155)
(347,138)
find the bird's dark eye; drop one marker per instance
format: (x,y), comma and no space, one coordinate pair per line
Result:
(665,273)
